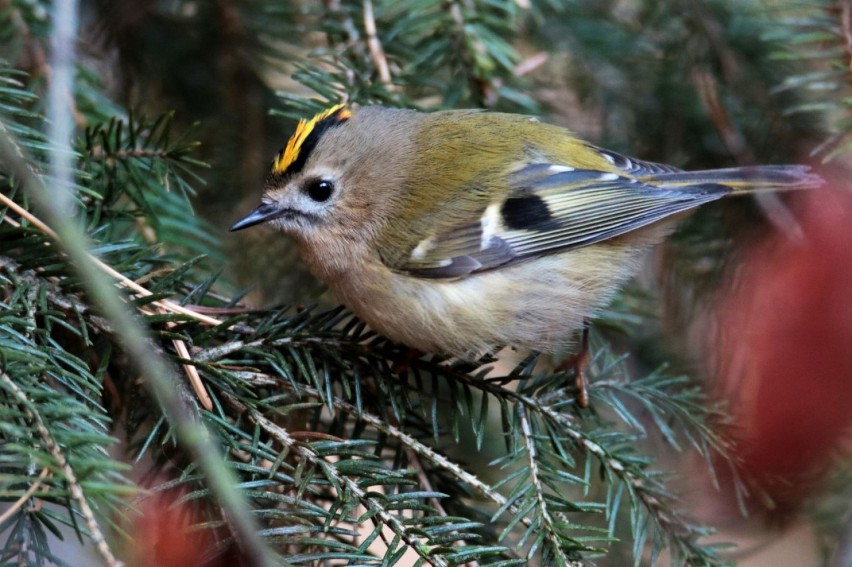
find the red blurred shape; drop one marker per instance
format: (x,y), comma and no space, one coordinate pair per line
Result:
(164,535)
(786,348)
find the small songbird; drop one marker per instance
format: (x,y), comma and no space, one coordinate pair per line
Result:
(461,231)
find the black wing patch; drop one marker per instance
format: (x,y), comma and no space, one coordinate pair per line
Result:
(520,212)
(552,208)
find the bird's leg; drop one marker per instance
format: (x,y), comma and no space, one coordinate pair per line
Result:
(579,362)
(402,363)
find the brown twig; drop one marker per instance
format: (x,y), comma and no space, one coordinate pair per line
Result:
(17,504)
(708,91)
(846,28)
(423,478)
(733,140)
(123,281)
(100,153)
(315,435)
(530,64)
(377,52)
(192,372)
(164,306)
(210,310)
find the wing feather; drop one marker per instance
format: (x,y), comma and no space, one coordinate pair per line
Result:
(553,208)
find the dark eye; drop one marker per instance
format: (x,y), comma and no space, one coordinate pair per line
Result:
(319,189)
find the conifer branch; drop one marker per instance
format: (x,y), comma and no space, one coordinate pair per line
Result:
(344,483)
(120,278)
(411,443)
(538,486)
(69,476)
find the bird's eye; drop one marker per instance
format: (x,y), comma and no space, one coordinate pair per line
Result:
(319,189)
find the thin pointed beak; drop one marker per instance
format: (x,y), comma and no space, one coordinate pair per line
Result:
(265,212)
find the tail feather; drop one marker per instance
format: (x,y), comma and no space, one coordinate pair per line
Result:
(744,179)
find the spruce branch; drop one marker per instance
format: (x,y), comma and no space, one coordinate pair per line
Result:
(121,279)
(375,45)
(641,486)
(817,38)
(549,528)
(133,339)
(412,444)
(345,485)
(68,303)
(69,476)
(639,483)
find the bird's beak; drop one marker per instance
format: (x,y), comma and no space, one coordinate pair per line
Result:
(265,212)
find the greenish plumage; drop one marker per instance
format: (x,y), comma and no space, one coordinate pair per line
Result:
(461,231)
(504,188)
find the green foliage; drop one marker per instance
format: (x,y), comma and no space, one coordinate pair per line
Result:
(398,53)
(818,38)
(137,172)
(55,429)
(347,450)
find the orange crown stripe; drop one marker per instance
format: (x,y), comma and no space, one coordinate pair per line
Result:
(290,153)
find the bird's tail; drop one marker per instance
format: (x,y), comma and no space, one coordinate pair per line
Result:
(744,179)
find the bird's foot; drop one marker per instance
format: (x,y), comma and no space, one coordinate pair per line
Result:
(578,363)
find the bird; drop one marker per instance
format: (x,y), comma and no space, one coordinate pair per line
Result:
(459,232)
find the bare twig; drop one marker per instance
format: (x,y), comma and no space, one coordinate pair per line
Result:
(530,64)
(377,52)
(17,504)
(414,461)
(771,204)
(192,373)
(708,91)
(846,28)
(122,280)
(100,153)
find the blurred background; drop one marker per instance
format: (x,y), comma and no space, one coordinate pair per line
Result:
(754,298)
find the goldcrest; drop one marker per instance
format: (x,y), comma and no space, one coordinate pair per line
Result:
(461,231)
